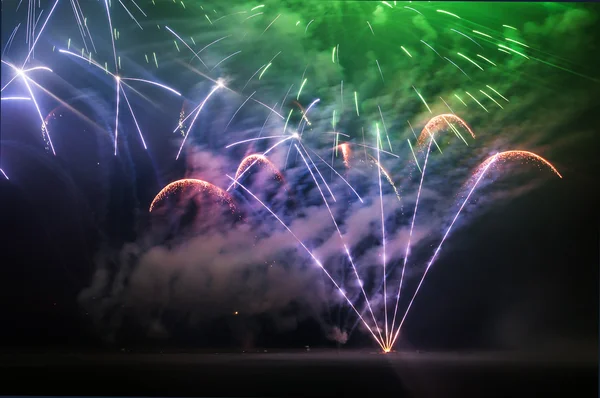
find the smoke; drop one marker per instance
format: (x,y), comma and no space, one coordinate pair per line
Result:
(191,264)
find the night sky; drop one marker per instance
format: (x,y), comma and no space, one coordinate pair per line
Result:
(85,264)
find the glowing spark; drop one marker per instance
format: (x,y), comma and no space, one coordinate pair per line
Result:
(264,70)
(458,67)
(300,90)
(514,51)
(257,7)
(448,13)
(422,99)
(4,174)
(470,60)
(15,98)
(436,123)
(516,42)
(433,49)
(380,72)
(356,103)
(485,59)
(470,38)
(410,8)
(475,99)
(415,157)
(487,95)
(308,24)
(501,96)
(460,99)
(406,51)
(509,27)
(370,27)
(225,59)
(483,34)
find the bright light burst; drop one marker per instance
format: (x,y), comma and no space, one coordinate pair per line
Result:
(467,64)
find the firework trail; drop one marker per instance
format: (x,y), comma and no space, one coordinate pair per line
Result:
(478,176)
(337,286)
(437,123)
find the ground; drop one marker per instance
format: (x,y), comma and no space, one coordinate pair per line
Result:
(301,373)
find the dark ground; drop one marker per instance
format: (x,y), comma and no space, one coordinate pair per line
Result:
(314,373)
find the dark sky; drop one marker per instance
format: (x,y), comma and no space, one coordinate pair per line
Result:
(85,264)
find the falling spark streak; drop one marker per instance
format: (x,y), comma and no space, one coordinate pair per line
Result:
(475,99)
(509,27)
(300,90)
(470,60)
(470,38)
(304,113)
(251,77)
(503,97)
(356,103)
(370,27)
(406,51)
(117,113)
(487,95)
(385,128)
(380,150)
(264,70)
(438,249)
(154,83)
(448,13)
(412,225)
(4,174)
(460,99)
(318,172)
(380,72)
(287,120)
(39,33)
(254,139)
(338,174)
(484,58)
(483,34)
(504,51)
(383,237)
(134,119)
(410,8)
(254,8)
(419,167)
(422,99)
(261,159)
(251,16)
(422,41)
(238,109)
(272,22)
(514,51)
(155,59)
(196,116)
(314,259)
(225,59)
(236,181)
(206,46)
(387,4)
(342,240)
(411,128)
(308,24)
(183,41)
(459,68)
(448,106)
(112,35)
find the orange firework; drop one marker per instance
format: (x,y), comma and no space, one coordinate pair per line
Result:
(200,185)
(438,122)
(251,160)
(346,152)
(524,156)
